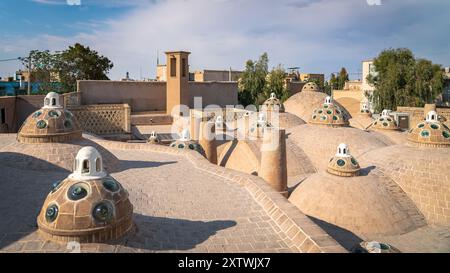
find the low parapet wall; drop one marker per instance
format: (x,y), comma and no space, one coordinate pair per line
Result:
(301,232)
(108,119)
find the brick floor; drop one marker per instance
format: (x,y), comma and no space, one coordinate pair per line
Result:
(177,208)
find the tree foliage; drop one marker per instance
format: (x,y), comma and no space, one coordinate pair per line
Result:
(42,65)
(65,68)
(253,80)
(81,63)
(342,78)
(257,83)
(402,80)
(276,83)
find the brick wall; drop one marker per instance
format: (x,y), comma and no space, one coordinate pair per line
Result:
(417,114)
(107,119)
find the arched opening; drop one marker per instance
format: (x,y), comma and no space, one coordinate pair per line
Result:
(98,165)
(85,168)
(46,101)
(53,102)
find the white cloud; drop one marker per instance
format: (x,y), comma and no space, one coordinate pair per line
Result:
(318,36)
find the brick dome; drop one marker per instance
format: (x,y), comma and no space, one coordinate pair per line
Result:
(329,114)
(430,132)
(311,86)
(52,123)
(154,138)
(89,206)
(185,143)
(384,122)
(272,104)
(258,127)
(343,163)
(364,111)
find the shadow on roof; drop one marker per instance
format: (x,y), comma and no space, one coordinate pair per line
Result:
(166,234)
(344,237)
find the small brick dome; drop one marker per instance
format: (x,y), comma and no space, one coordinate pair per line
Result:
(385,122)
(364,111)
(154,138)
(272,104)
(329,114)
(343,163)
(52,123)
(89,206)
(311,86)
(185,142)
(374,247)
(257,128)
(430,132)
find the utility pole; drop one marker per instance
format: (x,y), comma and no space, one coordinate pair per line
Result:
(29,75)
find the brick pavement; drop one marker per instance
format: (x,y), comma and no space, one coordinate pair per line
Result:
(177,208)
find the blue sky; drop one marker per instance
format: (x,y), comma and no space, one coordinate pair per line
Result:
(319,36)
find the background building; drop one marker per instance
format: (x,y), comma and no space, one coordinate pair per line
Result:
(306,77)
(446,91)
(368,68)
(217,75)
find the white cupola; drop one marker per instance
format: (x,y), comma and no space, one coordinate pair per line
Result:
(185,135)
(52,101)
(261,118)
(88,165)
(432,116)
(219,122)
(386,113)
(328,100)
(273,96)
(343,151)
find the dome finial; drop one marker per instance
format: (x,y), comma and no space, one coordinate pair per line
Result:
(386,113)
(185,135)
(52,100)
(88,165)
(343,150)
(432,116)
(262,118)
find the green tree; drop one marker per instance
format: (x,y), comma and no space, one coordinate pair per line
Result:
(333,82)
(42,67)
(59,72)
(342,78)
(402,80)
(81,63)
(275,83)
(327,88)
(253,80)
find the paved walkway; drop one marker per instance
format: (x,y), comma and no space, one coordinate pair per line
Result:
(177,208)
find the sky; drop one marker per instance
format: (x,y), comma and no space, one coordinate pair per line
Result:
(319,36)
